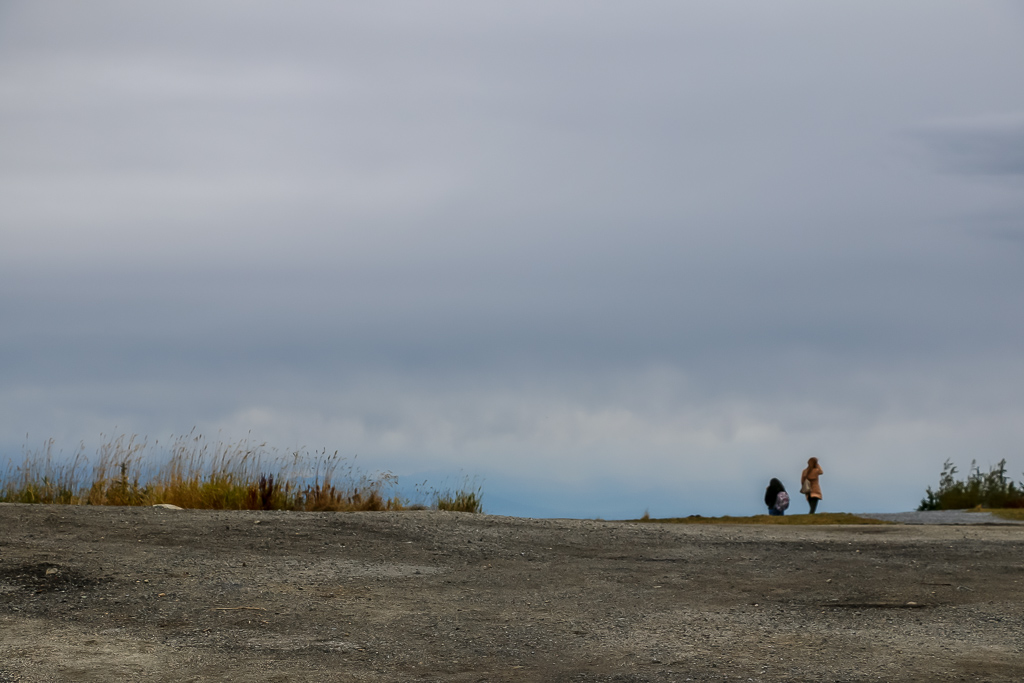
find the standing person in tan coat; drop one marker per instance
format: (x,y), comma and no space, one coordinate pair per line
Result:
(809,485)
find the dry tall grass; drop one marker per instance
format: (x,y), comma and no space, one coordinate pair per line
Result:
(193,472)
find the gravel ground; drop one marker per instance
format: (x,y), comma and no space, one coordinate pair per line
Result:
(142,594)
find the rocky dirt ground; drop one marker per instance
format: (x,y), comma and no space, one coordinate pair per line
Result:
(147,594)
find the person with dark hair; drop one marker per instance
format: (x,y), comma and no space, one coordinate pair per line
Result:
(809,485)
(776,498)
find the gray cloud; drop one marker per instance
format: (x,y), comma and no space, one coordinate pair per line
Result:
(989,146)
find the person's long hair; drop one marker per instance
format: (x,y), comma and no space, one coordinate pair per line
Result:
(812,464)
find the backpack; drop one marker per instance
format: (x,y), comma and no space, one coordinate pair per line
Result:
(782,501)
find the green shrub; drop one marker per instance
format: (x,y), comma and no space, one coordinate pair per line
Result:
(991,490)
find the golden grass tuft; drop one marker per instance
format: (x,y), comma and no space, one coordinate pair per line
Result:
(459,501)
(821,518)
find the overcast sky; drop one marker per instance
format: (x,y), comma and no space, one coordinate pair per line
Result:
(606,257)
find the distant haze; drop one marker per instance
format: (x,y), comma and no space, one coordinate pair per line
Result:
(605,257)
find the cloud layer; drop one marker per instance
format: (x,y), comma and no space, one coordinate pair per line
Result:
(647,256)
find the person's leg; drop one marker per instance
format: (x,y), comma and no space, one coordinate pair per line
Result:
(813,503)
